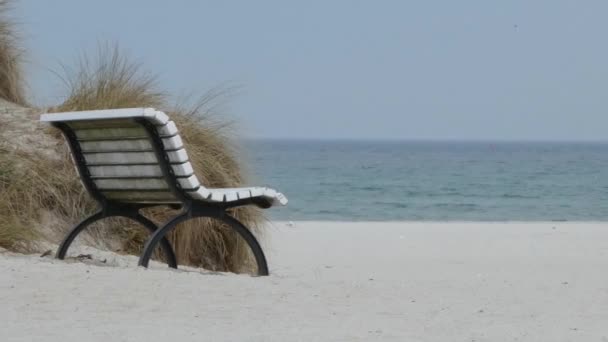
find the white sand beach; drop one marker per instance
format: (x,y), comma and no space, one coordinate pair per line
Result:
(332,282)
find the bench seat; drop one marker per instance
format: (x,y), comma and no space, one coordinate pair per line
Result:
(121,161)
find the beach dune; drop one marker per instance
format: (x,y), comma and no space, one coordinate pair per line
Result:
(332,281)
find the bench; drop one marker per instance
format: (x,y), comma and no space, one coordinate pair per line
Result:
(129,159)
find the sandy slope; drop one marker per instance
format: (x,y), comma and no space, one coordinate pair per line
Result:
(333,282)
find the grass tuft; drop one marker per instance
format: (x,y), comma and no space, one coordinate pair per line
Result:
(30,186)
(11,53)
(108,81)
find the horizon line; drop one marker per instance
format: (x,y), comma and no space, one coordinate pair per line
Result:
(426,140)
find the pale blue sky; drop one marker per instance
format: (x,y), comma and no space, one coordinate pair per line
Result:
(355,69)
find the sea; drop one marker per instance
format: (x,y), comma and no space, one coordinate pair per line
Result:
(433,181)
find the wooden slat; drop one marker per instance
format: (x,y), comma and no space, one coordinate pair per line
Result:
(111,133)
(116,145)
(201,194)
(167,130)
(143,197)
(231,196)
(122,158)
(150,114)
(128,171)
(134,183)
(244,193)
(97,124)
(138,170)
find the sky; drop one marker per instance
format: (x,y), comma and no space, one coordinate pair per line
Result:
(441,70)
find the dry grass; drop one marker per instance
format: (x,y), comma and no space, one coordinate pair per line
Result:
(15,233)
(11,78)
(111,81)
(31,185)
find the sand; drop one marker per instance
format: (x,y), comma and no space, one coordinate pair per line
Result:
(332,282)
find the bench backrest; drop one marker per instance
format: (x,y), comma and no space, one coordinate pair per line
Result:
(128,155)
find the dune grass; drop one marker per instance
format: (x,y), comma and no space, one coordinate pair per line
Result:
(109,80)
(30,186)
(15,233)
(11,53)
(112,81)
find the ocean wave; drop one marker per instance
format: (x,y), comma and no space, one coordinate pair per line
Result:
(370,188)
(464,206)
(394,205)
(518,196)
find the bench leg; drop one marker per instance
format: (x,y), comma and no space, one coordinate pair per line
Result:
(164,243)
(67,241)
(153,240)
(253,243)
(245,233)
(149,225)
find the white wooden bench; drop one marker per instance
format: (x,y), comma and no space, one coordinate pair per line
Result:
(133,158)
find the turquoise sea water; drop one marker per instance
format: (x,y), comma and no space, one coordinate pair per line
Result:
(470,181)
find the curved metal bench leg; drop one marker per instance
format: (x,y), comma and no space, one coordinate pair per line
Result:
(164,243)
(253,243)
(67,241)
(153,240)
(150,226)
